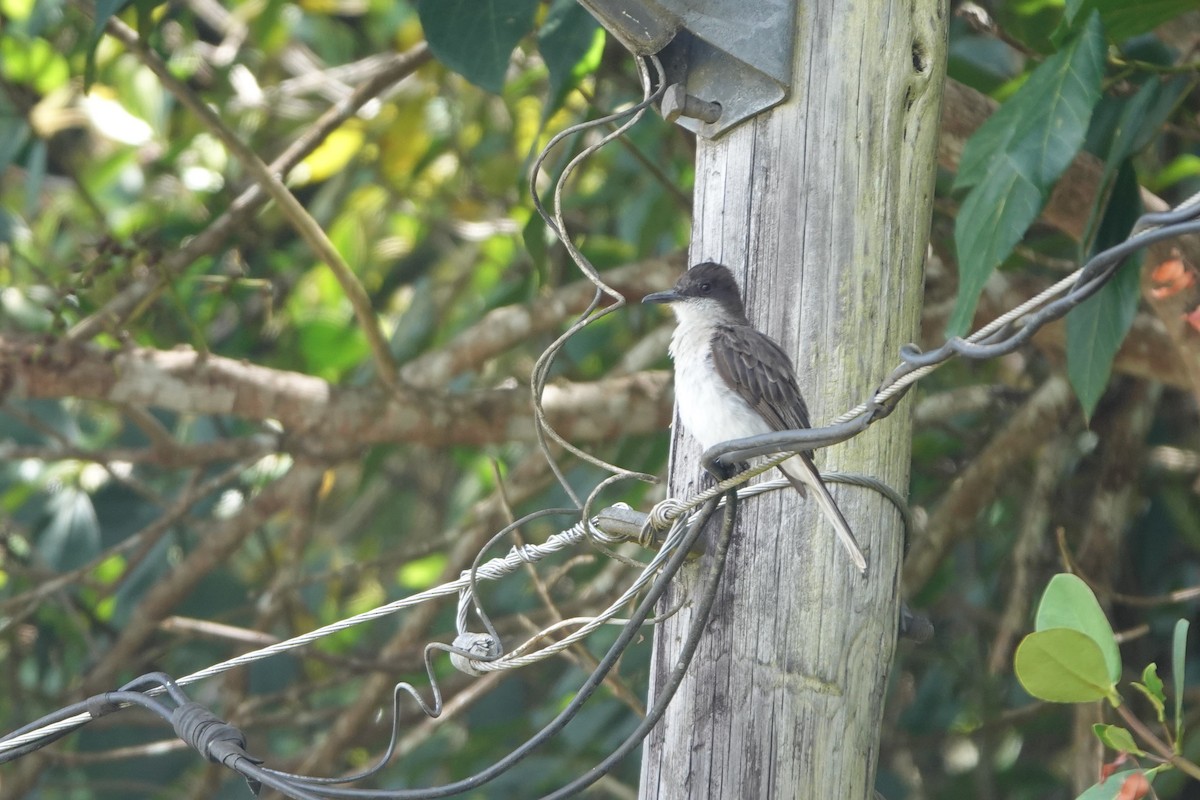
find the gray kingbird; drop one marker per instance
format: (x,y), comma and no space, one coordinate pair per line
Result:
(731,381)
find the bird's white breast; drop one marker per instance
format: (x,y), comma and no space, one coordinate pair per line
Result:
(709,409)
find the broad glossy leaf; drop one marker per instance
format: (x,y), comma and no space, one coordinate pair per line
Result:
(1124,19)
(1069,603)
(105,10)
(475,38)
(1096,328)
(1110,787)
(1012,161)
(1062,665)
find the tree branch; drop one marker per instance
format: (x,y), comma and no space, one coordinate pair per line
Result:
(214,544)
(1036,421)
(301,220)
(1159,747)
(502,328)
(320,419)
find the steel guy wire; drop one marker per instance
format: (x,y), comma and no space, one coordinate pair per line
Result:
(494,569)
(685,531)
(689,534)
(666,692)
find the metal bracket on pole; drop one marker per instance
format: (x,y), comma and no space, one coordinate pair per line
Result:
(726,60)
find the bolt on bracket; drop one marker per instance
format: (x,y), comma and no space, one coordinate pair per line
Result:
(726,60)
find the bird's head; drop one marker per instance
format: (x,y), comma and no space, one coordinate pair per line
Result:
(707,289)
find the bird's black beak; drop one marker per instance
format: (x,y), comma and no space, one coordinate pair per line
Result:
(669,296)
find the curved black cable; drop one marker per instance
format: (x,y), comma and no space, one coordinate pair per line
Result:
(628,633)
(1098,270)
(699,624)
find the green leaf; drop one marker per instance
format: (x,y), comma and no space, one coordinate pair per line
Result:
(1178,169)
(14,132)
(1110,787)
(475,38)
(35,176)
(1069,603)
(34,62)
(571,43)
(1152,681)
(70,534)
(1124,19)
(533,234)
(1012,161)
(1117,738)
(1062,665)
(1096,328)
(1178,664)
(105,10)
(1159,704)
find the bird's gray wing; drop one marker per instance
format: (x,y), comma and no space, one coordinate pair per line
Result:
(760,372)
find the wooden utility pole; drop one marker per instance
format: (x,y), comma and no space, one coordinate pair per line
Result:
(822,207)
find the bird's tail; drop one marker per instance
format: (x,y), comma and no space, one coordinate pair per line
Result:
(802,473)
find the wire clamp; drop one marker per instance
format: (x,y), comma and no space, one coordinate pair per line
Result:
(481,646)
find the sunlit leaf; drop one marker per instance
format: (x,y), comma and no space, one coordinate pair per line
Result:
(34,62)
(111,568)
(571,42)
(1069,603)
(331,156)
(422,573)
(17,10)
(1062,666)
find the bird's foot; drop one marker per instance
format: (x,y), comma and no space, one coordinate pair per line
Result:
(719,471)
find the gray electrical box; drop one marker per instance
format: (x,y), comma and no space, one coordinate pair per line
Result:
(736,53)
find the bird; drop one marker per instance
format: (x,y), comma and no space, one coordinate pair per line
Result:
(733,381)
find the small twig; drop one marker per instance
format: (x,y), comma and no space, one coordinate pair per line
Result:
(143,541)
(136,295)
(1037,419)
(1149,601)
(1158,745)
(33,423)
(303,222)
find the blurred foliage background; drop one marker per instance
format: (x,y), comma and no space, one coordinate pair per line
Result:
(138,536)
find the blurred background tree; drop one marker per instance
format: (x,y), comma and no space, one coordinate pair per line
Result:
(197,456)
